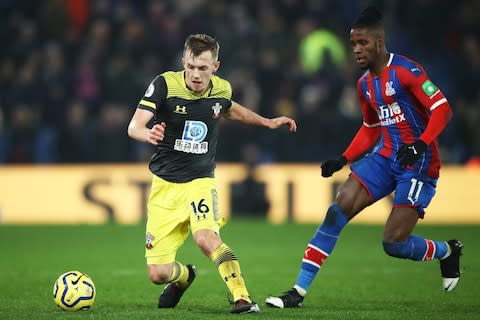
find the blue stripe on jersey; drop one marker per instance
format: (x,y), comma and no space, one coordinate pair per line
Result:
(365,90)
(403,62)
(381,142)
(378,97)
(377,89)
(364,84)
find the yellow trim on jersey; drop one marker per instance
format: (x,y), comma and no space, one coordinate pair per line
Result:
(176,86)
(148,104)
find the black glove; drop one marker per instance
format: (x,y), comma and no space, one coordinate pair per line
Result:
(331,166)
(408,154)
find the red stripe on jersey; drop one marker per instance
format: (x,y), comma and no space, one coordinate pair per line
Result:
(430,250)
(315,255)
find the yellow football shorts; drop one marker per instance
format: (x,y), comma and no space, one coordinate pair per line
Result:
(174,209)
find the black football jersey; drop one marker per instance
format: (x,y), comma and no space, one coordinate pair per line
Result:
(188,149)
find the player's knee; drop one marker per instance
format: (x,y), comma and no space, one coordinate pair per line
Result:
(207,241)
(335,219)
(397,249)
(346,201)
(202,243)
(159,276)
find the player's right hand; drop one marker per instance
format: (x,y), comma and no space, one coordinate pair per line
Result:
(156,134)
(329,167)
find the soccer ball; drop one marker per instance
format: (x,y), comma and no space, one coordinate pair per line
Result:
(74,290)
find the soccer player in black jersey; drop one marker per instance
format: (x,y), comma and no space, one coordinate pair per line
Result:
(186,106)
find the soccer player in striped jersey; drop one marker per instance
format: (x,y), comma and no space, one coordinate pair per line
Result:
(403,114)
(186,107)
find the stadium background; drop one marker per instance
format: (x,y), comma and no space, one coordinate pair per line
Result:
(72,72)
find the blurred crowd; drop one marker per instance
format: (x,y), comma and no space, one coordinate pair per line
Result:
(73,71)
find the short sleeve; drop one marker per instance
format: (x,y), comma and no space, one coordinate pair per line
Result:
(154,96)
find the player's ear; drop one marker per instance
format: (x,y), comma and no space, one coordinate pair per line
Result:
(216,65)
(380,43)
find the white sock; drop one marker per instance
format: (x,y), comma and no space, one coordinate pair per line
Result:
(300,290)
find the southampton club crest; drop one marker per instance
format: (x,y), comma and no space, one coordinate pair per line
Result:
(217,107)
(149,241)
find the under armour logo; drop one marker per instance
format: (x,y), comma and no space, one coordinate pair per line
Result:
(180,109)
(233,275)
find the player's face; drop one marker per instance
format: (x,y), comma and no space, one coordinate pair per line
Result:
(199,70)
(366,46)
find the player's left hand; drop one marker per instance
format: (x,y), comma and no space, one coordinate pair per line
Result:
(408,154)
(276,123)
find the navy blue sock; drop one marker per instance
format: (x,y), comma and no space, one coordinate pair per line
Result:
(320,247)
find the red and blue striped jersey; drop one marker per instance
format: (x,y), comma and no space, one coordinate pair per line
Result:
(401,100)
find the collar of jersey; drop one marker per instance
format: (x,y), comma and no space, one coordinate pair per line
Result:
(191,93)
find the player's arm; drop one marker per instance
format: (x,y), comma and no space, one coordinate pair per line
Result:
(154,96)
(138,130)
(241,114)
(365,138)
(432,99)
(368,133)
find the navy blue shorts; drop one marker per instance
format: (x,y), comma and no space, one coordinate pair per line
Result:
(382,176)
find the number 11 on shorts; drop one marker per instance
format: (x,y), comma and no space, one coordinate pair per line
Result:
(415,189)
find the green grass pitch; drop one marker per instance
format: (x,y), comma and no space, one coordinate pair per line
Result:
(358,281)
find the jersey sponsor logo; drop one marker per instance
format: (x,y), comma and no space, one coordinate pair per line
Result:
(217,108)
(390,114)
(194,132)
(180,109)
(429,88)
(150,90)
(389,89)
